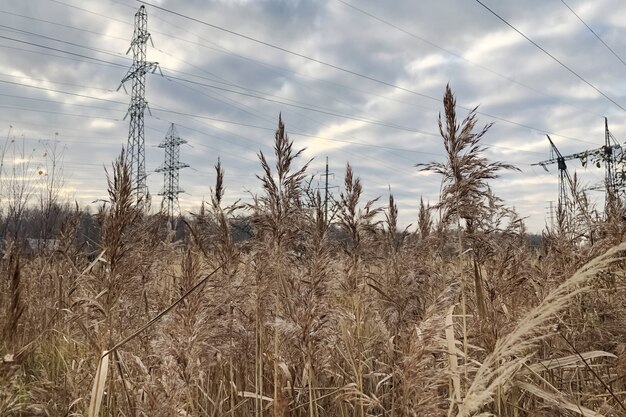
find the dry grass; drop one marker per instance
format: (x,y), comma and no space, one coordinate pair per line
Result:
(312,318)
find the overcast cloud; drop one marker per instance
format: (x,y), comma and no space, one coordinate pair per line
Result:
(382,131)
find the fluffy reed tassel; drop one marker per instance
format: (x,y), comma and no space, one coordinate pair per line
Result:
(513,350)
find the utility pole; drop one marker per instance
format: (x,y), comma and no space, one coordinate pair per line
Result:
(170,169)
(326,194)
(326,191)
(136,146)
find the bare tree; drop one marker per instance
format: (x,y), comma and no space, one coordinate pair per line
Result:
(51,179)
(17,188)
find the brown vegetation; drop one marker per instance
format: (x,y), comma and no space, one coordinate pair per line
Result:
(459,317)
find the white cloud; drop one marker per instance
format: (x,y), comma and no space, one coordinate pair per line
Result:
(550,99)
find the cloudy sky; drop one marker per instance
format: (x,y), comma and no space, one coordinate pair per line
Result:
(358,81)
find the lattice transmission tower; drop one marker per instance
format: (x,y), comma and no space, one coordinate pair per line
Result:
(170,169)
(136,147)
(611,155)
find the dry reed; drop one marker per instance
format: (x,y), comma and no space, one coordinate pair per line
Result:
(320,316)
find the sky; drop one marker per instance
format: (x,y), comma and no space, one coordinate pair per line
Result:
(356,81)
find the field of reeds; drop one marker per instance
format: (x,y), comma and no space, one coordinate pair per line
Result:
(320,313)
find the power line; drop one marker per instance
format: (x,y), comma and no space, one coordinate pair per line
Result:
(282,70)
(218,49)
(330,113)
(38,53)
(51,128)
(108,90)
(96,140)
(62,25)
(358,156)
(288,51)
(336,67)
(304,107)
(91,48)
(89,11)
(456,55)
(245,88)
(364,120)
(62,51)
(62,92)
(92,140)
(53,101)
(114,54)
(594,33)
(420,94)
(351,117)
(325,125)
(117,102)
(376,161)
(265,117)
(296,133)
(225,82)
(274,68)
(550,55)
(232,122)
(279,102)
(56,112)
(279,70)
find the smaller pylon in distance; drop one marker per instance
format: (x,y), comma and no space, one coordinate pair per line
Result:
(170,169)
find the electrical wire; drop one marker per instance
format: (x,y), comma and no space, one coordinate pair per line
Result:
(56,112)
(91,12)
(550,55)
(288,51)
(220,120)
(41,80)
(170,77)
(459,56)
(254,96)
(336,67)
(594,33)
(91,48)
(114,54)
(39,53)
(62,51)
(63,25)
(79,8)
(283,103)
(429,97)
(43,100)
(366,121)
(62,92)
(329,113)
(361,119)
